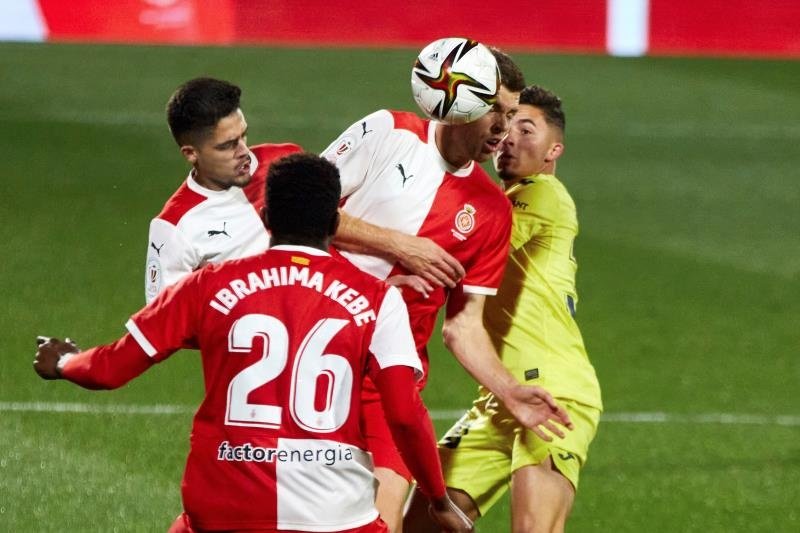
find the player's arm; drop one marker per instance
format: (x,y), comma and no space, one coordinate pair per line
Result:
(154,333)
(414,436)
(354,153)
(394,365)
(465,336)
(420,255)
(170,257)
(103,367)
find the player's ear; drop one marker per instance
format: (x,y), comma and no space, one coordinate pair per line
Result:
(334,224)
(554,152)
(189,153)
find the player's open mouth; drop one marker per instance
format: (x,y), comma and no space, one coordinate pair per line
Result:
(244,168)
(492,145)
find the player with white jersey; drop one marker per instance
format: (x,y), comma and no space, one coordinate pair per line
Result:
(285,337)
(410,184)
(215,215)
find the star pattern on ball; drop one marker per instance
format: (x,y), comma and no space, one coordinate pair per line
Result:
(448,81)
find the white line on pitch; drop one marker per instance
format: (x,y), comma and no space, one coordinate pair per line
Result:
(436,414)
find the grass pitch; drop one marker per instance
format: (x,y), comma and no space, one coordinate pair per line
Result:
(685,176)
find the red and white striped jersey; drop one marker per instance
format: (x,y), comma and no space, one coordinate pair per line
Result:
(276,442)
(198,226)
(394,176)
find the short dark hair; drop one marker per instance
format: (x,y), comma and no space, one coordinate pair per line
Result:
(548,102)
(195,107)
(302,197)
(510,74)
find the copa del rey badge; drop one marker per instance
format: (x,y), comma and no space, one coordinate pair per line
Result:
(465,222)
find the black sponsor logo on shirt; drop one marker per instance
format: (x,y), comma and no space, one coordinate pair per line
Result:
(399,166)
(364,129)
(215,232)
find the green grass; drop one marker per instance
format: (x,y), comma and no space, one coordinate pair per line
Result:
(685,173)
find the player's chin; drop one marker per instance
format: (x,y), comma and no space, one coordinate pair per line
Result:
(488,151)
(242,180)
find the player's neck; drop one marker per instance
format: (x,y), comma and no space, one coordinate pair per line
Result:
(451,151)
(208,182)
(295,240)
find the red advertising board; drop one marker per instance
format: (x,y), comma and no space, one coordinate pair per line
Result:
(725,27)
(139,21)
(663,27)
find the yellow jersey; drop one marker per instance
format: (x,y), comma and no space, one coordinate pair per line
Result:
(531,320)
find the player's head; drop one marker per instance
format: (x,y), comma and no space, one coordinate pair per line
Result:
(206,121)
(302,200)
(480,139)
(536,138)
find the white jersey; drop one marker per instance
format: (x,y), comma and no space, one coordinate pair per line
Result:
(198,226)
(394,176)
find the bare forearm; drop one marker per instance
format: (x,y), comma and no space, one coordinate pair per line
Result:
(471,346)
(419,255)
(355,235)
(466,338)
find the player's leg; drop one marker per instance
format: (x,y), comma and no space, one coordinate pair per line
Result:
(546,474)
(476,462)
(541,499)
(392,492)
(182,524)
(394,478)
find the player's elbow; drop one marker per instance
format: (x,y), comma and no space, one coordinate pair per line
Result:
(454,332)
(403,420)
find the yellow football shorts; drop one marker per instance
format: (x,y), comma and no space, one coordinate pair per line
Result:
(481,451)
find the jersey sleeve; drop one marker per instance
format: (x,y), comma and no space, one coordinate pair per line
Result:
(106,367)
(353,152)
(485,271)
(170,257)
(169,322)
(392,343)
(536,207)
(411,428)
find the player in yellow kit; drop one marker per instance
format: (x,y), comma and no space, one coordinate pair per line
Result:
(531,323)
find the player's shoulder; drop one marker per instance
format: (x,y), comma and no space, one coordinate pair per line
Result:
(411,122)
(363,280)
(181,202)
(390,120)
(487,187)
(545,184)
(542,190)
(268,152)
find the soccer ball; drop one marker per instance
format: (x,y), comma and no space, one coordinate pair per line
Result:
(455,80)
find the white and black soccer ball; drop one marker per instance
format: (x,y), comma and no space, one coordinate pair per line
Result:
(455,80)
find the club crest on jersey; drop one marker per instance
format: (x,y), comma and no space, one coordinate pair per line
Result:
(465,222)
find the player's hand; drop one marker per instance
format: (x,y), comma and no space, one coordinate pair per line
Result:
(535,408)
(49,352)
(414,282)
(449,517)
(425,258)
